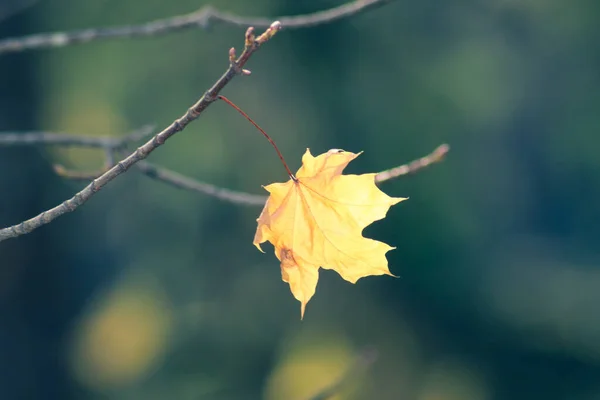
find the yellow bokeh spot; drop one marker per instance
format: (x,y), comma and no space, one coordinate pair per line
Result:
(121,338)
(310,367)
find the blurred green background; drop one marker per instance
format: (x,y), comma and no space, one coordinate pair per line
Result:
(149,292)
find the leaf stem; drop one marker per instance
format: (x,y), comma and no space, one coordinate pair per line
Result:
(289,172)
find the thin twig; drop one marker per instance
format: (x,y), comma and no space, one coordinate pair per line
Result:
(201,18)
(183,182)
(65,139)
(243,198)
(109,162)
(78,175)
(108,143)
(57,139)
(414,166)
(362,362)
(135,136)
(252,44)
(111,144)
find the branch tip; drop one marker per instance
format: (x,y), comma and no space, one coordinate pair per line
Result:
(246,72)
(59,169)
(232,55)
(270,32)
(249,37)
(439,153)
(414,166)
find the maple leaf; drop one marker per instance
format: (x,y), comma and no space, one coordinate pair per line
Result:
(316,220)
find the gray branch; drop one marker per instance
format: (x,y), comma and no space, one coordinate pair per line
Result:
(66,139)
(414,166)
(117,145)
(252,44)
(201,18)
(242,198)
(183,182)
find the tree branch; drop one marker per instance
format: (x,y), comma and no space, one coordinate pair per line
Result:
(183,182)
(252,44)
(117,145)
(66,139)
(201,18)
(186,183)
(242,198)
(414,166)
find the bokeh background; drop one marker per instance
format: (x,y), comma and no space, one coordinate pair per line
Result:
(149,292)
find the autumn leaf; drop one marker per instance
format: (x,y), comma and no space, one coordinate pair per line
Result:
(316,220)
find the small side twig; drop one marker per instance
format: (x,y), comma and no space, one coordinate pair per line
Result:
(201,18)
(109,162)
(183,182)
(414,166)
(252,44)
(66,173)
(362,362)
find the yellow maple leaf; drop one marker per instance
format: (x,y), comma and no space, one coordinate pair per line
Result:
(316,220)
